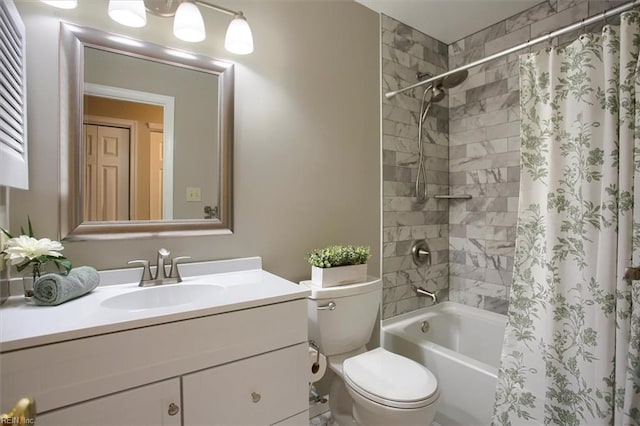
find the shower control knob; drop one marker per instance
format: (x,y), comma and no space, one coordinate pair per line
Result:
(421,253)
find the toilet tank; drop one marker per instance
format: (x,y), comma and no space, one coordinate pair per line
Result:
(348,326)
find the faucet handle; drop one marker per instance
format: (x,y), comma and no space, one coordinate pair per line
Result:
(163,254)
(146,271)
(174,267)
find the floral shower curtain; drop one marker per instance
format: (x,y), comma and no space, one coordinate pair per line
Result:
(571,353)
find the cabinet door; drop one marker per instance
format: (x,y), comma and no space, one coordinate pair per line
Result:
(260,390)
(146,405)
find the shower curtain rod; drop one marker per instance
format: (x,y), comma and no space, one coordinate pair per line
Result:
(567,29)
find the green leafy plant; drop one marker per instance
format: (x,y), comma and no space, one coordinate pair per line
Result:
(338,255)
(26,250)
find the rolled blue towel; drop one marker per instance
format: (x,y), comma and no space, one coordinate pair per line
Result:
(54,289)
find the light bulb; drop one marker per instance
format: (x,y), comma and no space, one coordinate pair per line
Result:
(239,39)
(128,12)
(62,4)
(188,24)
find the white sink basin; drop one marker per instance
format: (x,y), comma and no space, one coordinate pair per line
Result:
(162,296)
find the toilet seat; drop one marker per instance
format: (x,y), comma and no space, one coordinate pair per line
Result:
(390,379)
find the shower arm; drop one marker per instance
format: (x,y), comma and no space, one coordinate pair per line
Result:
(543,38)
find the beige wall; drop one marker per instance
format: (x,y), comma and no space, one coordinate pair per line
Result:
(307,123)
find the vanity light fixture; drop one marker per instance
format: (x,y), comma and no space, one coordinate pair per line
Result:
(128,12)
(188,24)
(62,4)
(239,38)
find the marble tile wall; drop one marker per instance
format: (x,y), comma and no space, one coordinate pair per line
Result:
(405,52)
(484,150)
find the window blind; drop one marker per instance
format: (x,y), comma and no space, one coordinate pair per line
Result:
(13,140)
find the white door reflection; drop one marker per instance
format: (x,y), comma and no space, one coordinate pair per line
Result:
(145,190)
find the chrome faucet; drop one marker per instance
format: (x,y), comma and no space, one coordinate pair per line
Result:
(421,291)
(150,278)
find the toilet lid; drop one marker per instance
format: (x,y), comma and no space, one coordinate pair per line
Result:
(390,379)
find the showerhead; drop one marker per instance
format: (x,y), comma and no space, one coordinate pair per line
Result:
(437,94)
(454,79)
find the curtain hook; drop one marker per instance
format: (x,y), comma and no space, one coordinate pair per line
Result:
(549,47)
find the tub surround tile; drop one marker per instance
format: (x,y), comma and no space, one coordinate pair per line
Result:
(396,233)
(489,90)
(488,204)
(502,248)
(496,233)
(466,297)
(397,188)
(536,13)
(389,249)
(458,257)
(398,263)
(390,279)
(389,310)
(403,130)
(510,39)
(499,277)
(496,304)
(467,137)
(599,6)
(512,204)
(406,51)
(398,114)
(398,204)
(564,17)
(397,174)
(456,99)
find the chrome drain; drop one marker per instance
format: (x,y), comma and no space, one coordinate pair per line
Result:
(424,326)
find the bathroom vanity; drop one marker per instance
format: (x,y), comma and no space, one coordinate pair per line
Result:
(226,346)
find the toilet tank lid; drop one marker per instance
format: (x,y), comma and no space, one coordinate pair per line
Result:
(390,377)
(372,284)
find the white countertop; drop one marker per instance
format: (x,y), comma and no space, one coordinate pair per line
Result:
(245,285)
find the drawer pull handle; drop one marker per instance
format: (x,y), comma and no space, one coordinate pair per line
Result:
(255,397)
(173,409)
(331,306)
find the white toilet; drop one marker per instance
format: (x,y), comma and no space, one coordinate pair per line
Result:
(374,387)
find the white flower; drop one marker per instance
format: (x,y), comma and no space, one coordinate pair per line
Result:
(19,249)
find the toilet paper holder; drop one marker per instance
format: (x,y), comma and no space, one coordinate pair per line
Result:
(316,365)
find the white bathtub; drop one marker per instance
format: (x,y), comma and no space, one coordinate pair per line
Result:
(461,348)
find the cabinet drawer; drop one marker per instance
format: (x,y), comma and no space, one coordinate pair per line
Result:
(255,391)
(143,406)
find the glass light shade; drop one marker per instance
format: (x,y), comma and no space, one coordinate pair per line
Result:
(239,39)
(188,24)
(128,12)
(62,4)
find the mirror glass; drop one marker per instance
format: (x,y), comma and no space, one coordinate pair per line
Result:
(149,136)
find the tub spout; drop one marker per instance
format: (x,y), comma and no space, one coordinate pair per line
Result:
(424,292)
